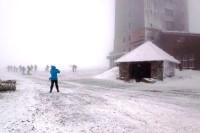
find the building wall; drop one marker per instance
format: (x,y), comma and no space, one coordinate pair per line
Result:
(124,71)
(129,27)
(157,70)
(181,17)
(128,19)
(135,20)
(168,69)
(153,14)
(166,15)
(183,46)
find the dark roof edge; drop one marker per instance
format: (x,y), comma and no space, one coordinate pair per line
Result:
(181,33)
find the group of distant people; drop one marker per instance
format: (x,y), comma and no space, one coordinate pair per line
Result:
(22,69)
(53,72)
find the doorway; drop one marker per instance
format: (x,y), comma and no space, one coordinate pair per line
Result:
(140,70)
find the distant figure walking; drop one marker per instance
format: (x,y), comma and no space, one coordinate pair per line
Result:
(180,67)
(28,70)
(47,68)
(74,67)
(54,78)
(35,68)
(23,70)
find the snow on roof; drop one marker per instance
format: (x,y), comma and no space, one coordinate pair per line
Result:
(147,52)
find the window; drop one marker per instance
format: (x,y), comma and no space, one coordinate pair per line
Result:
(191,62)
(169,25)
(169,1)
(188,62)
(169,12)
(124,39)
(129,38)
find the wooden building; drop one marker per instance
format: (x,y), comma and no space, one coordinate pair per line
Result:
(146,61)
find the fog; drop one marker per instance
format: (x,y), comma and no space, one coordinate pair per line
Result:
(62,32)
(59,32)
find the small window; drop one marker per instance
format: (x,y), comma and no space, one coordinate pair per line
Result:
(169,12)
(188,62)
(124,39)
(169,25)
(129,37)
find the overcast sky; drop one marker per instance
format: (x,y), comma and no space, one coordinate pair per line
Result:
(62,32)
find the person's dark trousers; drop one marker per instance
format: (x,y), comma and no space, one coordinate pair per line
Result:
(52,84)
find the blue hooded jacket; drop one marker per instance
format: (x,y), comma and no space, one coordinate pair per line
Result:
(54,73)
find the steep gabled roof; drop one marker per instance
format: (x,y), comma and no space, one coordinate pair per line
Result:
(147,52)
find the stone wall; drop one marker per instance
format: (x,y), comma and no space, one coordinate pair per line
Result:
(124,71)
(8,85)
(157,70)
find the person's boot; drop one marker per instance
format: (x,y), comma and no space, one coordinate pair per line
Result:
(58,90)
(50,90)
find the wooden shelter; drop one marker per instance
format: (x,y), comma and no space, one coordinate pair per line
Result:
(146,61)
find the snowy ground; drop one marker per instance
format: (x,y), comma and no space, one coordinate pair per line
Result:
(101,104)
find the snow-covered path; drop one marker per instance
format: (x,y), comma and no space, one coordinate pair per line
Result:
(97,106)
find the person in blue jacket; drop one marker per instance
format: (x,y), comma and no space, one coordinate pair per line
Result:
(54,78)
